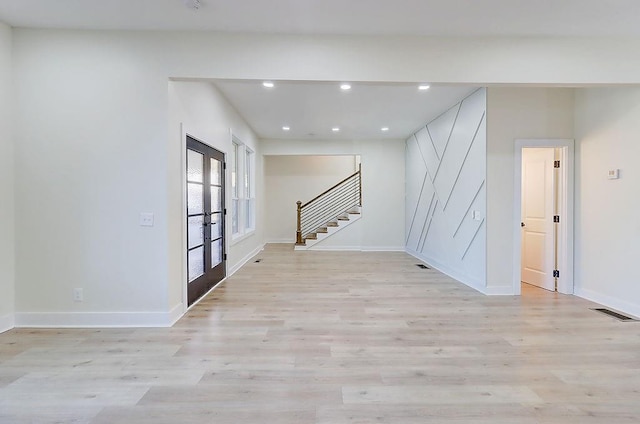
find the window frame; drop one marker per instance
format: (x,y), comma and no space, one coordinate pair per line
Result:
(235,190)
(243,211)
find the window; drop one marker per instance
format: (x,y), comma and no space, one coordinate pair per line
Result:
(249,196)
(242,189)
(235,230)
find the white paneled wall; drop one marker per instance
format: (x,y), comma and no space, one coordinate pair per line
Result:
(445,191)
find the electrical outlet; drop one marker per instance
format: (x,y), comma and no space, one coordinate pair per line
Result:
(77,295)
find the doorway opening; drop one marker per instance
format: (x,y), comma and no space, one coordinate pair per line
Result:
(544,215)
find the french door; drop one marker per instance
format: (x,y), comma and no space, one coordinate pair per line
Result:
(206,254)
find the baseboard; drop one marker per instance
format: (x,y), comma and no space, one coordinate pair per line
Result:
(175,314)
(456,275)
(499,291)
(7,322)
(383,249)
(608,301)
(358,248)
(244,260)
(336,248)
(105,319)
(97,319)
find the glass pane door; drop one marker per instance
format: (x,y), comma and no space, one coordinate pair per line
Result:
(205,218)
(195,213)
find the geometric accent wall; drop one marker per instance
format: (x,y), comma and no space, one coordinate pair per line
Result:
(445,191)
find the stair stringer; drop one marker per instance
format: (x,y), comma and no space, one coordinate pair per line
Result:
(309,244)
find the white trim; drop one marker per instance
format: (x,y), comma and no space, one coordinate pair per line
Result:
(98,319)
(359,248)
(281,241)
(565,239)
(336,248)
(244,260)
(610,302)
(243,152)
(382,248)
(7,322)
(183,212)
(464,279)
(498,291)
(238,237)
(175,314)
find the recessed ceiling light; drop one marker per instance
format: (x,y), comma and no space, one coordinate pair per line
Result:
(423,87)
(285,128)
(384,129)
(335,129)
(345,86)
(268,84)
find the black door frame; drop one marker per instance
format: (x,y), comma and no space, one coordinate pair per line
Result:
(213,275)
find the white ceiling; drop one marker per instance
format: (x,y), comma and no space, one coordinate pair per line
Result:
(417,17)
(312,109)
(315,107)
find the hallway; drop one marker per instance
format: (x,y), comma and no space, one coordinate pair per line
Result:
(335,338)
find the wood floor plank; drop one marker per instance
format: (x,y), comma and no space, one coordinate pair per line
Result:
(335,338)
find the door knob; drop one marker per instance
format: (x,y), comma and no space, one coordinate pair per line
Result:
(522,224)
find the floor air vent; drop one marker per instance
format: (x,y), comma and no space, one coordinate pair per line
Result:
(422,266)
(614,314)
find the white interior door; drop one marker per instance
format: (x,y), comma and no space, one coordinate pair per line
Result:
(537,217)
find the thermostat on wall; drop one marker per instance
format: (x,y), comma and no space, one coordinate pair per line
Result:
(613,174)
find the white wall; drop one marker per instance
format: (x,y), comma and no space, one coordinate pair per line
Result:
(91,154)
(607,130)
(7,246)
(382,224)
(445,191)
(92,148)
(292,178)
(515,113)
(206,115)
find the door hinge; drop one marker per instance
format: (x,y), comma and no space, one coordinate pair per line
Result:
(225,256)
(556,218)
(224,165)
(556,164)
(556,273)
(225,211)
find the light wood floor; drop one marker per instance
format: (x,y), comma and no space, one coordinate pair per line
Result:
(335,338)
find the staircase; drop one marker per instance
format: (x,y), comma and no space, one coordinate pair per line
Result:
(329,212)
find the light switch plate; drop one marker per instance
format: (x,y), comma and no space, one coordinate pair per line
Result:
(613,174)
(146,219)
